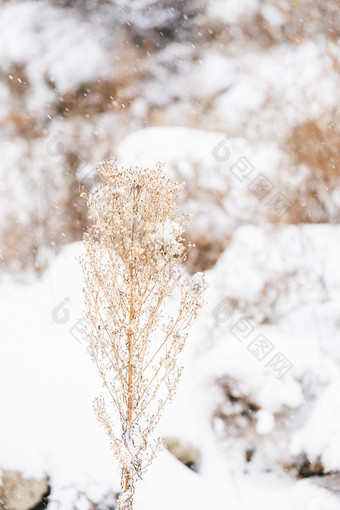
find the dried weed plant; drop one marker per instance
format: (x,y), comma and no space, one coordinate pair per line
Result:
(133,262)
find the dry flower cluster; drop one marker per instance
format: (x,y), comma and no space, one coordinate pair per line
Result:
(133,263)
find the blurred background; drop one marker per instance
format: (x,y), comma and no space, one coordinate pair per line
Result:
(239,98)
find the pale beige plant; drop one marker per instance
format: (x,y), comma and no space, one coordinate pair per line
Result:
(132,269)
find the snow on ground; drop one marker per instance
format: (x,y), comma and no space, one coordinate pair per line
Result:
(269,332)
(285,286)
(48,383)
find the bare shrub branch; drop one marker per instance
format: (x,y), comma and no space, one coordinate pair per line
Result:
(133,263)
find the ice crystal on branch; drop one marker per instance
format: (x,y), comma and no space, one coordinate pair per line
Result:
(133,263)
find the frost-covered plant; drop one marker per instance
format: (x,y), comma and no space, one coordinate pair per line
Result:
(133,263)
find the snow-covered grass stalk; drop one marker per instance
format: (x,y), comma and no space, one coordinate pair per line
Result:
(133,262)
